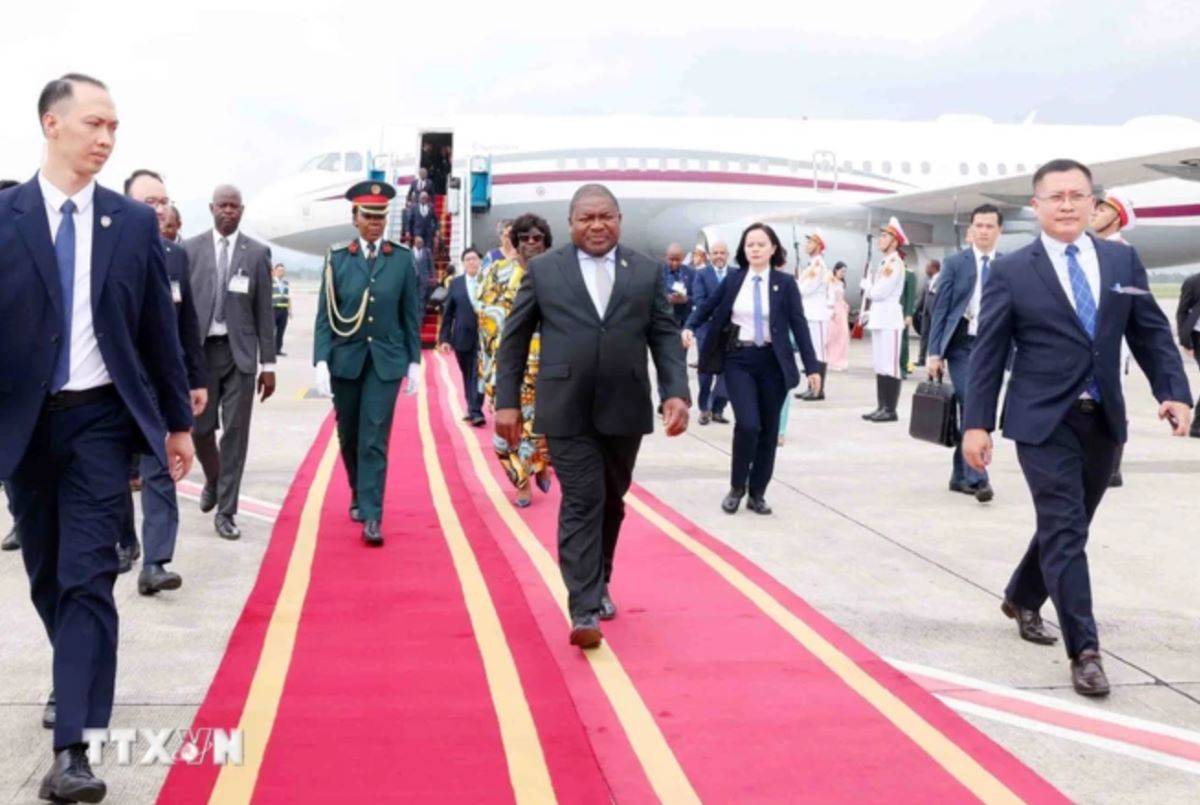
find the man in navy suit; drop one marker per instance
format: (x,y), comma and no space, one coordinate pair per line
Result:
(160,507)
(423,221)
(423,265)
(1065,301)
(954,327)
(460,332)
(91,371)
(705,284)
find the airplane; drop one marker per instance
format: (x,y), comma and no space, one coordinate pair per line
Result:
(698,180)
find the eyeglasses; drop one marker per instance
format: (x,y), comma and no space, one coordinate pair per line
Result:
(156,203)
(1061,199)
(531,237)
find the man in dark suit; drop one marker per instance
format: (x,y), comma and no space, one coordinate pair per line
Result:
(231,282)
(1065,301)
(705,284)
(91,371)
(11,541)
(160,508)
(954,326)
(1187,318)
(419,185)
(599,307)
(423,221)
(678,280)
(460,332)
(925,306)
(423,267)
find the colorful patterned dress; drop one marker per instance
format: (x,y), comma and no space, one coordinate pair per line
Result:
(496,296)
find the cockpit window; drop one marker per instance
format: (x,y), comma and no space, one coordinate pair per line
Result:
(312,163)
(331,162)
(354,163)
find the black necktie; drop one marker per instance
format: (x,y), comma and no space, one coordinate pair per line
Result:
(371,254)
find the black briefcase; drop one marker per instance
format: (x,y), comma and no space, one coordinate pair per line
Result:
(934,414)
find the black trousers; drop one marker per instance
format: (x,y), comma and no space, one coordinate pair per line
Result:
(1067,475)
(68,498)
(757,390)
(281,323)
(467,361)
(595,471)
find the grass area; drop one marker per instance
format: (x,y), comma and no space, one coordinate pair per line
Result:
(1163,290)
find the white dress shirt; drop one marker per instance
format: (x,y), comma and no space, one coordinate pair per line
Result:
(366,246)
(977,294)
(1088,261)
(588,267)
(221,327)
(720,273)
(87,369)
(743,306)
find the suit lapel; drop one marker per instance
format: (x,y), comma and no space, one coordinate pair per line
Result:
(621,279)
(1108,278)
(34,226)
(1045,270)
(106,232)
(775,294)
(573,275)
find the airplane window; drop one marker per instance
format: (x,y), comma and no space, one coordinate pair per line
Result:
(925,167)
(745,166)
(1020,167)
(603,163)
(724,164)
(354,163)
(1002,169)
(867,166)
(312,163)
(662,164)
(622,163)
(983,169)
(963,168)
(887,166)
(906,167)
(562,164)
(581,163)
(703,164)
(763,166)
(331,162)
(642,164)
(683,164)
(847,166)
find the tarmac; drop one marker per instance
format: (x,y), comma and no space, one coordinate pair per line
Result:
(864,529)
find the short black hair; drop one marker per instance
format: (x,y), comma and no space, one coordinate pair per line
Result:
(587,190)
(64,87)
(137,174)
(778,259)
(839,264)
(175,210)
(7,183)
(988,209)
(470,250)
(526,223)
(1060,166)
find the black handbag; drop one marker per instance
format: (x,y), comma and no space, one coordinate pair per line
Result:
(934,414)
(712,362)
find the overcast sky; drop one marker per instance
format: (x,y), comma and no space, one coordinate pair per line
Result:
(241,91)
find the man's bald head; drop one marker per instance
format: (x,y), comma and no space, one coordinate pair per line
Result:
(227,209)
(719,254)
(675,255)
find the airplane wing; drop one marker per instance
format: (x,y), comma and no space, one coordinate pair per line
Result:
(1012,192)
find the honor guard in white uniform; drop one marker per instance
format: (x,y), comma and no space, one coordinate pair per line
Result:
(1112,216)
(815,295)
(885,319)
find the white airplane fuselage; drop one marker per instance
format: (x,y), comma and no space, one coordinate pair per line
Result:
(696,180)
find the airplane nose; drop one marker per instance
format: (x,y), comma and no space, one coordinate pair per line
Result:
(270,213)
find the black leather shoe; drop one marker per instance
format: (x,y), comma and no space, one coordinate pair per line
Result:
(355,514)
(154,578)
(208,498)
(705,417)
(70,779)
(124,559)
(757,505)
(1087,674)
(371,535)
(11,541)
(870,417)
(1116,480)
(1195,430)
(585,632)
(732,501)
(49,712)
(478,422)
(720,419)
(884,415)
(1029,624)
(803,395)
(959,486)
(608,610)
(984,492)
(226,527)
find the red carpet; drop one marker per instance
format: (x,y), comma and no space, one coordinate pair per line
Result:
(716,684)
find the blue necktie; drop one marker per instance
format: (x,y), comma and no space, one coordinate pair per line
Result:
(984,271)
(1085,306)
(760,336)
(64,253)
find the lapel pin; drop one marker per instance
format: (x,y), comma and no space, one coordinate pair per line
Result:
(624,264)
(105,221)
(774,287)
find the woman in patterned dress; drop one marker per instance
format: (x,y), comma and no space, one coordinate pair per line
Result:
(530,236)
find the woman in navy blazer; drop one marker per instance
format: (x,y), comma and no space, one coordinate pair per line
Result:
(759,365)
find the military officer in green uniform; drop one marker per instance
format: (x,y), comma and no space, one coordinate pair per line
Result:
(367,341)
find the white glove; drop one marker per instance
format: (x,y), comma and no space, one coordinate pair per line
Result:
(322,380)
(414,379)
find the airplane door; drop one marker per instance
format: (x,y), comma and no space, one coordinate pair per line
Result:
(825,174)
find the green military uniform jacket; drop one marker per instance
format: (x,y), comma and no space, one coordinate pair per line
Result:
(390,330)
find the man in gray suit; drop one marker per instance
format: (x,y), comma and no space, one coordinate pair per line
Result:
(231,286)
(599,308)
